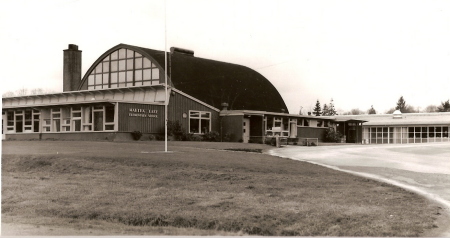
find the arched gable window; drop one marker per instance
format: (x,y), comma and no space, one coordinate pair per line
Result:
(123,68)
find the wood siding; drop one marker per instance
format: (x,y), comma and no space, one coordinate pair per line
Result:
(311,132)
(179,104)
(141,117)
(232,128)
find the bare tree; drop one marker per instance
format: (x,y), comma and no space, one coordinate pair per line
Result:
(430,108)
(24,91)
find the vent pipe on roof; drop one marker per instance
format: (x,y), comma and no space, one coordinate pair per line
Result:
(397,114)
(181,51)
(224,106)
(71,68)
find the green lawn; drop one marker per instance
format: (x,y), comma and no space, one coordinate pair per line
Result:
(197,189)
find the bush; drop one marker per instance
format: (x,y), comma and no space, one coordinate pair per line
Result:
(331,135)
(136,135)
(175,129)
(211,136)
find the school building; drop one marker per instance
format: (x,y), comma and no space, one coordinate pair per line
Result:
(124,91)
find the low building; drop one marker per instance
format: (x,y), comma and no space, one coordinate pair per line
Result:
(124,91)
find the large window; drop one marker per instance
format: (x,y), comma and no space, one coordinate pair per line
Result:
(199,122)
(61,119)
(123,68)
(404,135)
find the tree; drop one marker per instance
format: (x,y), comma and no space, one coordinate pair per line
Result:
(401,104)
(390,111)
(325,110)
(431,108)
(317,110)
(403,107)
(444,107)
(354,111)
(372,110)
(331,109)
(24,91)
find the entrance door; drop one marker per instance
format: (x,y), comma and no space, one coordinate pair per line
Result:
(246,130)
(293,132)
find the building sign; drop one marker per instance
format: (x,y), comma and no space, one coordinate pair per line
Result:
(139,112)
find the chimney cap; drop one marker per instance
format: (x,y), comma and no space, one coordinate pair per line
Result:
(73,47)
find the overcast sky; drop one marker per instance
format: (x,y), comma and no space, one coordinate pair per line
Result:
(360,53)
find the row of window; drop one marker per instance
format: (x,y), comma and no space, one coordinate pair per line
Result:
(123,68)
(61,119)
(404,135)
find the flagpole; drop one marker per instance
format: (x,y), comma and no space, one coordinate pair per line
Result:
(165,77)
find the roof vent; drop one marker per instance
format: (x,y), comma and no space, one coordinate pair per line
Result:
(397,114)
(182,51)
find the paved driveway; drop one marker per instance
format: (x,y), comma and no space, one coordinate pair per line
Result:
(423,168)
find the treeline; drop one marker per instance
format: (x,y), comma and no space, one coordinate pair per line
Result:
(402,106)
(26,91)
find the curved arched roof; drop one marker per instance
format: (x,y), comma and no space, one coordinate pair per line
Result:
(211,81)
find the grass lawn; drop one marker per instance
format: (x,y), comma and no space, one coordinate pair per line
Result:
(198,188)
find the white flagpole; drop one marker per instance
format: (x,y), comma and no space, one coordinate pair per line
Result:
(165,77)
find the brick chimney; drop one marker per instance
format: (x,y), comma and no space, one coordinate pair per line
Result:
(72,68)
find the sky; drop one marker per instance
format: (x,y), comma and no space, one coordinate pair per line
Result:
(358,53)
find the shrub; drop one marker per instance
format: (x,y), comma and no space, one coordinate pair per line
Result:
(211,136)
(331,135)
(136,135)
(175,129)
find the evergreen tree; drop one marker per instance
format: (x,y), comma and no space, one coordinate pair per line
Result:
(401,105)
(372,110)
(317,109)
(331,109)
(445,107)
(325,110)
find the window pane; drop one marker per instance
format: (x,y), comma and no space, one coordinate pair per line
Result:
(146,83)
(114,66)
(114,77)
(114,55)
(130,54)
(98,69)
(138,63)
(98,79)
(155,73)
(121,76)
(205,126)
(109,113)
(138,75)
(91,80)
(136,54)
(106,58)
(146,74)
(105,79)
(105,67)
(77,125)
(121,65)
(205,115)
(194,126)
(147,63)
(194,114)
(122,53)
(129,64)
(129,76)
(121,85)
